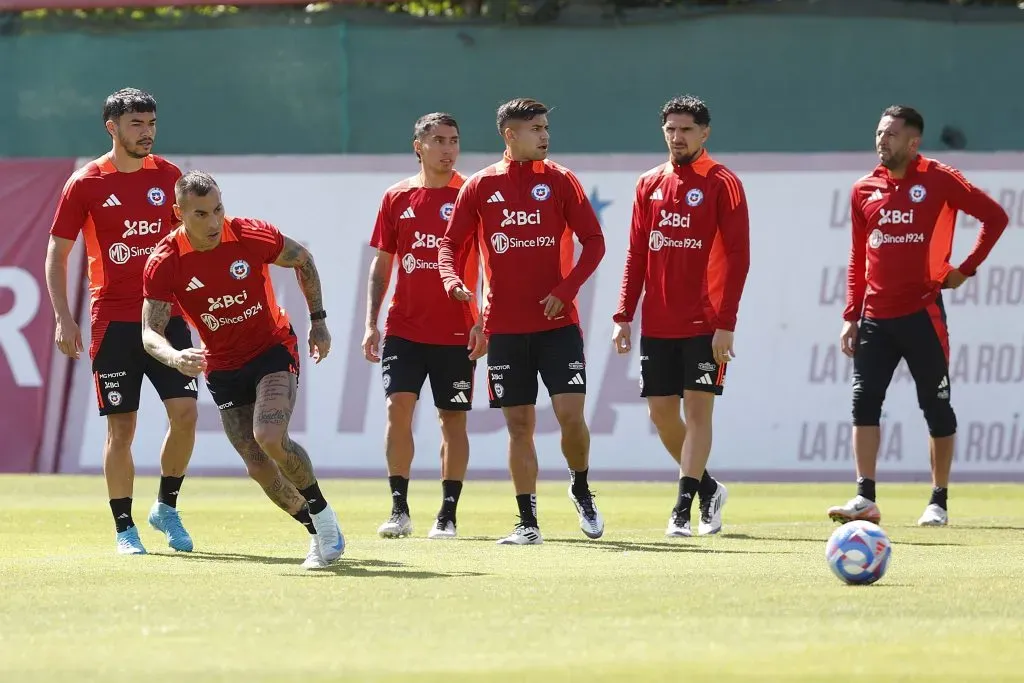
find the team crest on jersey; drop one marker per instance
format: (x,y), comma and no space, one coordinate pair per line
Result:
(239,270)
(540,192)
(917,194)
(694,197)
(156,196)
(114,398)
(446,210)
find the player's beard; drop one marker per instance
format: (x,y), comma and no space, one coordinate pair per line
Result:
(895,161)
(131,149)
(684,159)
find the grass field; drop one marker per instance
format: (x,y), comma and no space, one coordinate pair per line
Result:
(756,603)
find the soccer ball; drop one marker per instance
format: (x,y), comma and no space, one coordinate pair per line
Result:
(858,552)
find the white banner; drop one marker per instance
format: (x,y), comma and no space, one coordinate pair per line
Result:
(786,409)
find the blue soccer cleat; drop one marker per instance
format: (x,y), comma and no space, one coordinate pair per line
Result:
(164,518)
(128,542)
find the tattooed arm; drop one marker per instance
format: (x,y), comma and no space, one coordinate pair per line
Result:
(155,315)
(296,256)
(380,276)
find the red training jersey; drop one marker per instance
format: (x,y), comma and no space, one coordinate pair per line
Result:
(903,237)
(226,292)
(524,214)
(121,216)
(689,250)
(410,224)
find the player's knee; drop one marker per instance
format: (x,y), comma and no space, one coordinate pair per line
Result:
(183,415)
(261,470)
(940,417)
(270,438)
(453,422)
(867,407)
(400,409)
(520,423)
(698,407)
(120,430)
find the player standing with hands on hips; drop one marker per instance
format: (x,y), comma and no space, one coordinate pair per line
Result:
(525,210)
(689,253)
(903,215)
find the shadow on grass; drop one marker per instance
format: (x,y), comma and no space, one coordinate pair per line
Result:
(824,539)
(359,568)
(681,546)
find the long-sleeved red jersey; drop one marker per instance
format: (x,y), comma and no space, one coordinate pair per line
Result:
(903,237)
(524,213)
(689,250)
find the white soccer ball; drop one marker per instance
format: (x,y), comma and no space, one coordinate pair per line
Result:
(858,552)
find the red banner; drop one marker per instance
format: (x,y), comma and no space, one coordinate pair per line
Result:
(22,5)
(31,377)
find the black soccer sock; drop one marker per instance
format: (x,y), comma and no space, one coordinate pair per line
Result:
(303,518)
(527,503)
(866,488)
(450,492)
(316,501)
(939,497)
(121,508)
(708,486)
(687,490)
(578,481)
(399,493)
(169,487)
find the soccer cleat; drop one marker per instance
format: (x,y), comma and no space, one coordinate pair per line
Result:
(522,535)
(678,526)
(129,543)
(400,524)
(934,515)
(857,508)
(711,512)
(328,534)
(591,522)
(163,517)
(314,560)
(443,528)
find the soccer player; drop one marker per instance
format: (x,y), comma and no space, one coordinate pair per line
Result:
(903,216)
(216,269)
(427,333)
(121,205)
(524,210)
(689,250)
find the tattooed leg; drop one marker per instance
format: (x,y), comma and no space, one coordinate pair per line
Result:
(275,400)
(264,471)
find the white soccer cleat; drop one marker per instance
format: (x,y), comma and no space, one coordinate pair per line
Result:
(523,535)
(678,526)
(857,508)
(711,512)
(400,524)
(443,528)
(934,516)
(328,534)
(314,560)
(591,521)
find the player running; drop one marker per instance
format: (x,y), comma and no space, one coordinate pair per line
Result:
(217,269)
(903,217)
(120,204)
(427,333)
(524,210)
(689,250)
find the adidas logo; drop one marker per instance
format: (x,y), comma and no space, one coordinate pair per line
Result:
(495,198)
(705,379)
(194,284)
(112,200)
(577,380)
(944,383)
(191,386)
(657,195)
(875,196)
(408,213)
(460,398)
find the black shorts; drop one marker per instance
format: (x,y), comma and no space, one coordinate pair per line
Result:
(515,360)
(121,362)
(920,338)
(668,367)
(406,364)
(235,388)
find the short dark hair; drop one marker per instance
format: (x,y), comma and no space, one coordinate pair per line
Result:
(687,104)
(520,109)
(199,183)
(429,122)
(910,116)
(128,101)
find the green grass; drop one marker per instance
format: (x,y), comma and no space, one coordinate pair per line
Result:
(757,603)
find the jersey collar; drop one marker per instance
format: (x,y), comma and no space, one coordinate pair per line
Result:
(507,163)
(918,165)
(185,247)
(106,164)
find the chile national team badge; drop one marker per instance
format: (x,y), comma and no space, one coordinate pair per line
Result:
(156,196)
(446,211)
(540,192)
(239,270)
(694,197)
(917,194)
